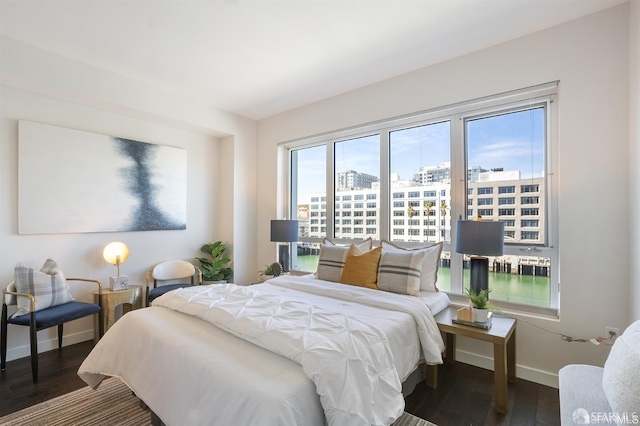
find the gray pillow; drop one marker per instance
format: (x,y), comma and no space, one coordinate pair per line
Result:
(49,286)
(331,262)
(621,377)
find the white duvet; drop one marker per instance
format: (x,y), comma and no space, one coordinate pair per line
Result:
(356,345)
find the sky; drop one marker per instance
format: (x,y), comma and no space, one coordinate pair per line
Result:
(504,141)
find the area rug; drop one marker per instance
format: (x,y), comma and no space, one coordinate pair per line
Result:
(111,404)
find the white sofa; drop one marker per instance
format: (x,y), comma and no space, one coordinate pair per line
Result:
(609,395)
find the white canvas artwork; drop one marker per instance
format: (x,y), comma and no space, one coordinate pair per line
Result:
(72,181)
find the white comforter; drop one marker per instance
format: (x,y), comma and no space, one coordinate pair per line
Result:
(370,395)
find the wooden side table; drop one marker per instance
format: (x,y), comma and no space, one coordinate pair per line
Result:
(502,335)
(130,298)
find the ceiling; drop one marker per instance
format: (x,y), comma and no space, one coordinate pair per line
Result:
(257,58)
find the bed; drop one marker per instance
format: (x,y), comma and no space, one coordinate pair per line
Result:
(293,350)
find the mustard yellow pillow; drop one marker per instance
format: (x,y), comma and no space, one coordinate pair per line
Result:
(361,269)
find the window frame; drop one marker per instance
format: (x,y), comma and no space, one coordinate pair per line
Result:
(457,114)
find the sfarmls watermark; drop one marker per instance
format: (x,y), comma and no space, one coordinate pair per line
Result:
(584,417)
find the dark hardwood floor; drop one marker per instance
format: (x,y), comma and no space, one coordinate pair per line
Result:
(464,395)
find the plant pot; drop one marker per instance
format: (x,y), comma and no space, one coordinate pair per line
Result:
(480,315)
(205,282)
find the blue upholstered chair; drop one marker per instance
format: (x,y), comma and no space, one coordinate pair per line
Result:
(42,319)
(166,273)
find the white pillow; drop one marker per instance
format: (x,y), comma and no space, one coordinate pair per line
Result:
(48,285)
(429,272)
(363,246)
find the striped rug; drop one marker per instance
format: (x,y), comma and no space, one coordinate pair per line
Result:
(111,404)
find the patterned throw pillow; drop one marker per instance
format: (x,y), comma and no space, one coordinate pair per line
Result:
(429,272)
(48,285)
(400,271)
(331,262)
(333,256)
(361,269)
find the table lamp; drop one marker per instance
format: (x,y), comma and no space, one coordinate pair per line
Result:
(116,253)
(479,239)
(284,231)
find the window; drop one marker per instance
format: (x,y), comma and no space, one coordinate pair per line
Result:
(496,151)
(506,200)
(530,223)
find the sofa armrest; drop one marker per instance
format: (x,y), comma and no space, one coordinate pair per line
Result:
(581,389)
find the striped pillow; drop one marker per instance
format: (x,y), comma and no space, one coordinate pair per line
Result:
(331,262)
(48,285)
(429,269)
(399,271)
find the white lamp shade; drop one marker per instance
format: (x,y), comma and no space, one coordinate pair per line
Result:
(115,253)
(482,238)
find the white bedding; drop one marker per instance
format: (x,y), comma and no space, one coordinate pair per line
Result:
(190,372)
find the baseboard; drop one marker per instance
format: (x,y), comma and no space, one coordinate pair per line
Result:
(50,344)
(522,372)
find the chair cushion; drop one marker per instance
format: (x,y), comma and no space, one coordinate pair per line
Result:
(622,372)
(581,393)
(48,285)
(57,314)
(159,291)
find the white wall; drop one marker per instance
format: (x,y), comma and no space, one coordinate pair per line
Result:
(40,86)
(589,57)
(634,152)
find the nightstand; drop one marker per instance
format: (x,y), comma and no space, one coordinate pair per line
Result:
(131,298)
(502,335)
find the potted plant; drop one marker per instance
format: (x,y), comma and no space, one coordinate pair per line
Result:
(215,269)
(270,271)
(480,305)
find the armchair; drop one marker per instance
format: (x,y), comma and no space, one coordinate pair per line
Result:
(41,319)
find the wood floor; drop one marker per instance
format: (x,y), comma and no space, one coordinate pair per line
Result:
(464,395)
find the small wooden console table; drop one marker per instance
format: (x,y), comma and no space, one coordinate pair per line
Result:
(502,335)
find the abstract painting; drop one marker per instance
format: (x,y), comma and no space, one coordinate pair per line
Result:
(72,181)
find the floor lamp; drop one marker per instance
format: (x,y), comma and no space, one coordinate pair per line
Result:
(284,231)
(479,239)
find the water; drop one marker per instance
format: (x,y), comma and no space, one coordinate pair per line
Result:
(526,289)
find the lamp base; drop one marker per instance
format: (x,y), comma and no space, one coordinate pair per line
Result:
(283,257)
(120,282)
(479,271)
